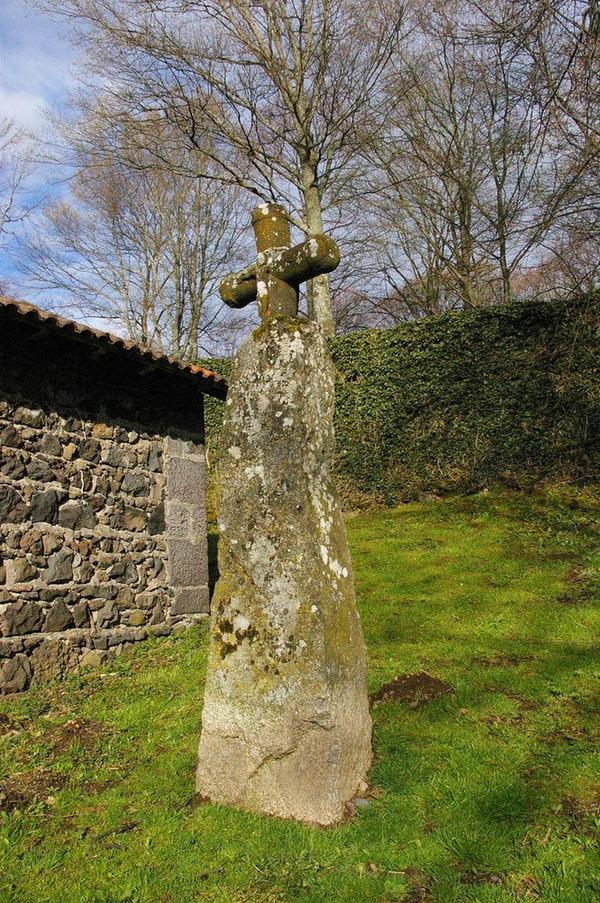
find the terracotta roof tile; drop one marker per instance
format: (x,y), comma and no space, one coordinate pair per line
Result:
(212,383)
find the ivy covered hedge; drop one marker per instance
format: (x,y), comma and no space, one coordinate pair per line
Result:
(463,400)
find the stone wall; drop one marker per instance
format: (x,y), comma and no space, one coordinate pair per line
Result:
(102,514)
(87,564)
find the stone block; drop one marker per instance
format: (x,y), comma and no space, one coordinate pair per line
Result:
(58,618)
(19,570)
(21,617)
(9,437)
(51,542)
(76,515)
(32,542)
(137,617)
(133,519)
(29,417)
(15,674)
(107,616)
(156,520)
(81,614)
(190,600)
(90,449)
(154,459)
(91,659)
(125,597)
(185,480)
(124,571)
(178,519)
(188,562)
(11,466)
(53,659)
(40,471)
(102,431)
(60,567)
(183,448)
(135,484)
(12,506)
(50,445)
(44,507)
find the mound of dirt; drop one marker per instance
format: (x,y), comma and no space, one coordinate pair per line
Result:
(77,730)
(414,690)
(22,790)
(9,725)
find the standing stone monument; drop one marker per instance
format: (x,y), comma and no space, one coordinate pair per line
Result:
(286,728)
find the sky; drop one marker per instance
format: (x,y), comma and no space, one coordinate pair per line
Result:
(36,64)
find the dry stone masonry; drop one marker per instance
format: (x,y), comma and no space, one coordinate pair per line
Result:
(102,520)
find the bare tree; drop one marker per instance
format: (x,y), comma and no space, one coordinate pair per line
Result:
(473,187)
(558,43)
(279,86)
(15,167)
(141,247)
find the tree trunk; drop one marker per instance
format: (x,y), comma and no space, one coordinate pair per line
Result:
(318,290)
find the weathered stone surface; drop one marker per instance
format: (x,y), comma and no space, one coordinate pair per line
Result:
(135,484)
(50,445)
(52,660)
(137,618)
(11,466)
(286,725)
(19,570)
(21,617)
(77,515)
(39,470)
(58,618)
(90,450)
(184,478)
(91,659)
(32,542)
(9,437)
(123,571)
(188,562)
(107,616)
(60,567)
(12,506)
(156,520)
(44,507)
(133,519)
(188,601)
(51,542)
(29,416)
(81,614)
(15,674)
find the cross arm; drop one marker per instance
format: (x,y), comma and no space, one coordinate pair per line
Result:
(239,289)
(293,265)
(305,261)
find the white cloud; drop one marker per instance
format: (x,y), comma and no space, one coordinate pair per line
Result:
(36,63)
(27,110)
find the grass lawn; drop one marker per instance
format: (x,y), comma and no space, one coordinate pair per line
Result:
(490,793)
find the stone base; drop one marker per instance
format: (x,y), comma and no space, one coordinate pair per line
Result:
(302,765)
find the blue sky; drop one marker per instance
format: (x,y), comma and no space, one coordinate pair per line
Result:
(36,63)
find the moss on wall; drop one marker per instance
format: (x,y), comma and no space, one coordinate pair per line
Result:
(460,401)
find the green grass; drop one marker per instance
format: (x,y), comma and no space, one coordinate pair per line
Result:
(489,794)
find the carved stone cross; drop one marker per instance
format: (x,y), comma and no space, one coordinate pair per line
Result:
(279,270)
